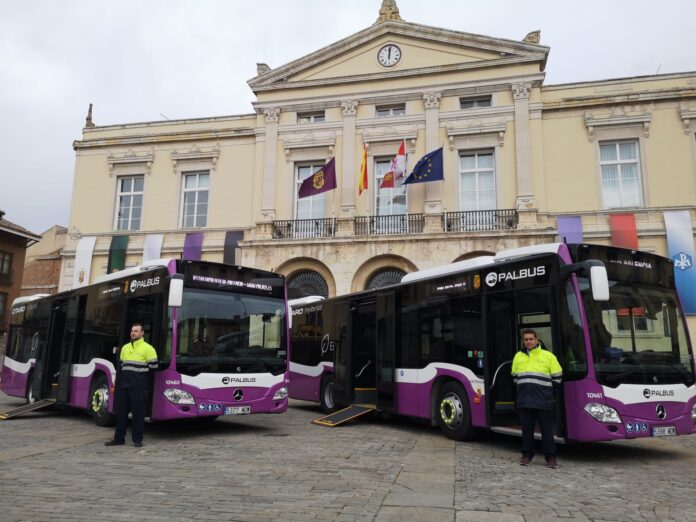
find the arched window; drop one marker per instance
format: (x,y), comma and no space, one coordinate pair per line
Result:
(307,282)
(384,277)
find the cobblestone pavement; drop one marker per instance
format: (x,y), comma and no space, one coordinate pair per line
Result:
(54,466)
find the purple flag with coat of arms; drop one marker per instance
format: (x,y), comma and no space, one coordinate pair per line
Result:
(322,180)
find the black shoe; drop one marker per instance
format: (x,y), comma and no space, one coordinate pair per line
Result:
(114,442)
(138,444)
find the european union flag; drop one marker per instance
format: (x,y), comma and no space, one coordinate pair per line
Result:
(428,168)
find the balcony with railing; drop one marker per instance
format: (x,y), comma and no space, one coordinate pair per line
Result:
(388,225)
(480,220)
(467,221)
(304,228)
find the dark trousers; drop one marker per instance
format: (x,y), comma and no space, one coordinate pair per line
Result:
(130,398)
(529,417)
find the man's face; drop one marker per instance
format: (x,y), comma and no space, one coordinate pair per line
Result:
(530,341)
(136,333)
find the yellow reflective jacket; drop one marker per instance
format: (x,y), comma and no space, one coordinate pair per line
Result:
(535,375)
(138,357)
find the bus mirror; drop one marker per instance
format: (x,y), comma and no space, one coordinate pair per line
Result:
(600,283)
(176,290)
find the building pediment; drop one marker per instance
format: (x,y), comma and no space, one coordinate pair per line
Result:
(423,50)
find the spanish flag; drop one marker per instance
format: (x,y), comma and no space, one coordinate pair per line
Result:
(362,185)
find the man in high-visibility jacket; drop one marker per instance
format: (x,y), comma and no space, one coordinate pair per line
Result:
(138,358)
(536,371)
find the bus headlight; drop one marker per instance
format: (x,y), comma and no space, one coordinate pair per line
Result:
(176,396)
(693,411)
(281,394)
(602,412)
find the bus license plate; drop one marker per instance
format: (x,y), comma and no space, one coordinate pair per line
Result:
(663,431)
(237,410)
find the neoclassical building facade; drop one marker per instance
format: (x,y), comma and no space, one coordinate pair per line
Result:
(520,157)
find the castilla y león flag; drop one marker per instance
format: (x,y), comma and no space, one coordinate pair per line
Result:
(395,176)
(322,180)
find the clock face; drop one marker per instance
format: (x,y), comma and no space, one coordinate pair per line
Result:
(389,55)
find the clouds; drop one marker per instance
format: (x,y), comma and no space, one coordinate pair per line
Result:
(138,60)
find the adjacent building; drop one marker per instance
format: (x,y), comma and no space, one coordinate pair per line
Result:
(524,163)
(14,241)
(43,262)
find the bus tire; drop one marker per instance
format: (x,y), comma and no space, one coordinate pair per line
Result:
(326,395)
(99,402)
(29,396)
(453,412)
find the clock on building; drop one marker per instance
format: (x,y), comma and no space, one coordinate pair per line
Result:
(389,55)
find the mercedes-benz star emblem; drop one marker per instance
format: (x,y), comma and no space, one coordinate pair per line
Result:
(238,394)
(661,413)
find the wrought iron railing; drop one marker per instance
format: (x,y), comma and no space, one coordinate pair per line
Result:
(501,219)
(383,225)
(304,228)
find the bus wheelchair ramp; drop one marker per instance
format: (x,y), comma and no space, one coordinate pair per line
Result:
(27,408)
(342,416)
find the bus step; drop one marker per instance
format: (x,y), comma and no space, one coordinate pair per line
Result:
(518,432)
(339,417)
(38,405)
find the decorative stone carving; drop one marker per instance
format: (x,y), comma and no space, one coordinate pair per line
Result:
(618,118)
(432,100)
(272,114)
(533,37)
(520,91)
(89,124)
(349,107)
(688,116)
(262,68)
(131,158)
(196,154)
(388,11)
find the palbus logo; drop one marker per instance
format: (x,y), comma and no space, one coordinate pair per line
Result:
(494,278)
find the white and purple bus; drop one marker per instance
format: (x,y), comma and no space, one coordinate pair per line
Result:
(439,345)
(220,332)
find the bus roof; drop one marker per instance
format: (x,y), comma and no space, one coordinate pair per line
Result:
(448,269)
(28,299)
(474,262)
(148,265)
(301,301)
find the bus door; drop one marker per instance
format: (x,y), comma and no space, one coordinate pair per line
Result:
(45,383)
(364,352)
(146,310)
(71,338)
(508,314)
(501,347)
(339,330)
(386,352)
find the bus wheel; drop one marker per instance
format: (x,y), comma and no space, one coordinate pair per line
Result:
(453,413)
(30,399)
(99,402)
(326,398)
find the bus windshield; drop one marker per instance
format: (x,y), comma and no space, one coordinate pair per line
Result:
(230,332)
(638,336)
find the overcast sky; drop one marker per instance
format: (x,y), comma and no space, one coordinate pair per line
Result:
(148,59)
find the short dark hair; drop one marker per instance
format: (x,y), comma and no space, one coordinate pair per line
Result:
(529,331)
(138,324)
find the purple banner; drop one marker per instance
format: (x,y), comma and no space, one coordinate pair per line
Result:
(569,229)
(193,246)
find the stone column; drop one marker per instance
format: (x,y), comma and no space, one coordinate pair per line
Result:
(525,194)
(345,223)
(269,164)
(433,201)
